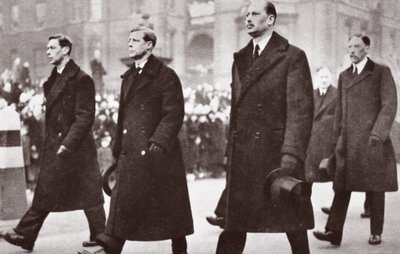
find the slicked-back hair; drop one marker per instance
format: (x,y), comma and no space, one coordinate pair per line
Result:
(271,10)
(363,37)
(64,41)
(149,35)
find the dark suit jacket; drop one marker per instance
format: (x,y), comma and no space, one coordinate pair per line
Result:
(73,181)
(150,200)
(321,143)
(366,107)
(272,111)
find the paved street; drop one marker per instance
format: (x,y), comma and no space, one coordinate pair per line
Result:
(63,232)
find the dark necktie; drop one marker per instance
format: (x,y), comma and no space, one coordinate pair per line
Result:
(355,71)
(256,52)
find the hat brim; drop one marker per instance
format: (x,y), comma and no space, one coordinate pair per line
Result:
(106,179)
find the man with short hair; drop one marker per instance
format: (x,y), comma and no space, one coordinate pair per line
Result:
(150,200)
(69,177)
(270,127)
(364,159)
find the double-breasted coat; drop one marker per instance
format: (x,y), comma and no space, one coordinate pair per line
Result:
(150,200)
(322,138)
(366,107)
(73,181)
(271,115)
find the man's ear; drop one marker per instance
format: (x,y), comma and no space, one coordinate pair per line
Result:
(65,50)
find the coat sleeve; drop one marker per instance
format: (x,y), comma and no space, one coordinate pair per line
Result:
(172,112)
(116,149)
(84,112)
(387,114)
(299,107)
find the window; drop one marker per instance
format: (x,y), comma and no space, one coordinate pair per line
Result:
(95,9)
(15,16)
(41,9)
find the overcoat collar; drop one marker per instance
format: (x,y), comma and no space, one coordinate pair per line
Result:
(368,69)
(149,73)
(52,91)
(250,71)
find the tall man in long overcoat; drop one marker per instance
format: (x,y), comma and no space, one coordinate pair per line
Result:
(69,177)
(322,138)
(364,159)
(150,200)
(270,127)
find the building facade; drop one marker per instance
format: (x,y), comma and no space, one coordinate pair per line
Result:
(199,37)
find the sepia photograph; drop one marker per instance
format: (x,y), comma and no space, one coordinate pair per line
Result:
(199,126)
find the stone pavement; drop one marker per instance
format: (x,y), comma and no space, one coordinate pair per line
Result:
(62,233)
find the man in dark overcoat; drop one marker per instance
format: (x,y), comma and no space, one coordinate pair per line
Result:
(270,127)
(150,200)
(364,159)
(69,177)
(322,138)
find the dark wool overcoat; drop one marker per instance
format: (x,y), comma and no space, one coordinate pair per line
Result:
(150,200)
(271,115)
(366,107)
(71,182)
(322,140)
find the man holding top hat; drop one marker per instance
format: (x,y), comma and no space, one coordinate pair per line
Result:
(270,127)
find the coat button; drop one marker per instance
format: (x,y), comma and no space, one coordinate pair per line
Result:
(125,131)
(59,134)
(143,152)
(257,135)
(141,107)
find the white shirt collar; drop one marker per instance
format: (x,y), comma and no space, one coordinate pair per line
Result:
(361,65)
(61,70)
(322,91)
(262,44)
(141,65)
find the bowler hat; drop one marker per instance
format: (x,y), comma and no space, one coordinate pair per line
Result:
(282,186)
(106,179)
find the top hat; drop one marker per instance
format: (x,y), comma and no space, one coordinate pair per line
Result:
(106,179)
(281,185)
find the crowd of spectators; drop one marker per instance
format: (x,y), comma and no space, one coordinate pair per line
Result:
(203,135)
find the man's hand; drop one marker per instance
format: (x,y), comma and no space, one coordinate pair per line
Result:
(63,150)
(289,162)
(374,141)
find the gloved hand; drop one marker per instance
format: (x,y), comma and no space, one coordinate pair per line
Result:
(289,162)
(156,149)
(374,141)
(63,151)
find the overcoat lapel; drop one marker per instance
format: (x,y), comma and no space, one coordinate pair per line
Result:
(367,71)
(325,101)
(146,77)
(268,58)
(70,70)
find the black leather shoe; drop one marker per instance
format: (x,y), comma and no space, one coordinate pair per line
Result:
(334,237)
(326,210)
(216,221)
(365,214)
(89,244)
(19,240)
(375,239)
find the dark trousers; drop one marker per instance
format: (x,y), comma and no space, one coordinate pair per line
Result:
(221,206)
(337,216)
(31,223)
(231,242)
(114,245)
